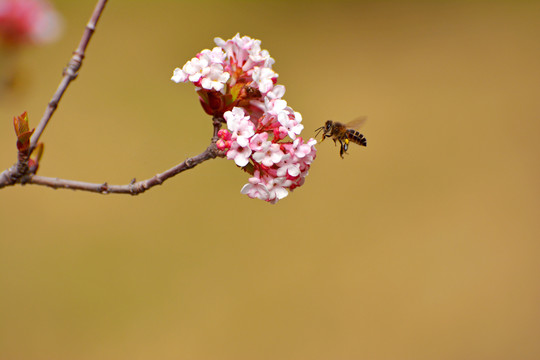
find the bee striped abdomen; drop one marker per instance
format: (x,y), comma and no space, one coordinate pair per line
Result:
(356,137)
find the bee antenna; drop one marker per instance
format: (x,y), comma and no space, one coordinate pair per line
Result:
(318,131)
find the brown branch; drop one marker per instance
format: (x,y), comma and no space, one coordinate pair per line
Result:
(70,72)
(20,172)
(10,176)
(133,188)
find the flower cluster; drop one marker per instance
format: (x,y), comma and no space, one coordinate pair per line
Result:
(28,21)
(236,83)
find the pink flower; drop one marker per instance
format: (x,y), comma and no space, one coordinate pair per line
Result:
(234,118)
(291,124)
(222,145)
(28,21)
(204,70)
(240,125)
(237,48)
(255,189)
(277,92)
(276,106)
(288,166)
(278,188)
(240,154)
(246,52)
(214,56)
(258,140)
(269,154)
(264,78)
(224,134)
(302,150)
(193,71)
(215,78)
(235,82)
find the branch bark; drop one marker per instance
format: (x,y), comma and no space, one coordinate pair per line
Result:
(70,73)
(19,171)
(134,187)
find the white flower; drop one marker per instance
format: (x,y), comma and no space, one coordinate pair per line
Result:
(245,42)
(304,151)
(278,187)
(278,165)
(234,117)
(236,48)
(215,78)
(277,92)
(258,57)
(196,68)
(297,117)
(239,125)
(276,107)
(288,165)
(261,57)
(214,56)
(255,189)
(292,127)
(269,154)
(300,149)
(239,153)
(258,140)
(263,77)
(179,76)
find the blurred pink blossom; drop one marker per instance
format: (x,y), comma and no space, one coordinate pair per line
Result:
(28,22)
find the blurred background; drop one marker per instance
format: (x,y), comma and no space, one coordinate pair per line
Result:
(424,245)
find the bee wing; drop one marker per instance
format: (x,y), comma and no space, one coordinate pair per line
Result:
(356,123)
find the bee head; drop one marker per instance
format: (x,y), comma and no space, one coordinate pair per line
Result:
(328,127)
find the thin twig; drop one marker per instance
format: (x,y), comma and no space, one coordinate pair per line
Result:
(9,177)
(19,171)
(70,72)
(133,188)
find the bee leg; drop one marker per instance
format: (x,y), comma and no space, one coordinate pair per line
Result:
(341,150)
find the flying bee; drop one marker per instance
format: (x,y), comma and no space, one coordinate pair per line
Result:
(344,133)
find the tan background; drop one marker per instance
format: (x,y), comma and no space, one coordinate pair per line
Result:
(425,245)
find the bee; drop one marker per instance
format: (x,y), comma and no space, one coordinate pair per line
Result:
(344,133)
(252,93)
(246,94)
